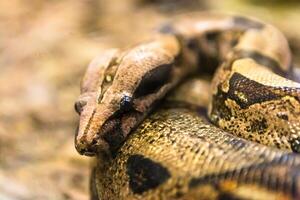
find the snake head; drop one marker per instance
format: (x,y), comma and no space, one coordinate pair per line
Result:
(126,91)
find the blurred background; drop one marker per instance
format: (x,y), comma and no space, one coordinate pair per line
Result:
(45,47)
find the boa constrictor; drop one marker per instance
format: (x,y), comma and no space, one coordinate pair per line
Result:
(177,153)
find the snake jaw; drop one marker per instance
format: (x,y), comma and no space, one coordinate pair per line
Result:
(104,126)
(88,137)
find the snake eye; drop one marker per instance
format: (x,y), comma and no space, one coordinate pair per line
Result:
(79,106)
(126,104)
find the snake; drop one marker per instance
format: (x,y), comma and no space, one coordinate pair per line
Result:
(234,137)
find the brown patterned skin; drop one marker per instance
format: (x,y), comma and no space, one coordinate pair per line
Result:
(250,97)
(121,87)
(177,154)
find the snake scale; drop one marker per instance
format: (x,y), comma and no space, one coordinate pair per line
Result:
(236,137)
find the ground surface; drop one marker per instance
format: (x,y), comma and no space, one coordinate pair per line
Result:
(44,49)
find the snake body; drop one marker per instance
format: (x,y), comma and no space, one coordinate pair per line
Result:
(176,153)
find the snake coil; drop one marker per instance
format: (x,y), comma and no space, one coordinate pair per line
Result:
(177,153)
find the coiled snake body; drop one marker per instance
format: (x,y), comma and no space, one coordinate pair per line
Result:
(177,153)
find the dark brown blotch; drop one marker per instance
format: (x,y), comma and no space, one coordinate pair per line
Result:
(283,116)
(145,174)
(247,92)
(207,60)
(259,126)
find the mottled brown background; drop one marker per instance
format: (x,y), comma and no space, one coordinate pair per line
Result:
(44,49)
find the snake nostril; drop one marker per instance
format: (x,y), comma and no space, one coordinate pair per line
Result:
(79,106)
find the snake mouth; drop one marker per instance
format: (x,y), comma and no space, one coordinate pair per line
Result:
(86,152)
(94,148)
(88,147)
(109,139)
(81,148)
(106,136)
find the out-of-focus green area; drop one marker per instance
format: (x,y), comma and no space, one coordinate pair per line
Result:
(44,49)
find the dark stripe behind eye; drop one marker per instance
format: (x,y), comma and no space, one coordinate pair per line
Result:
(153,80)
